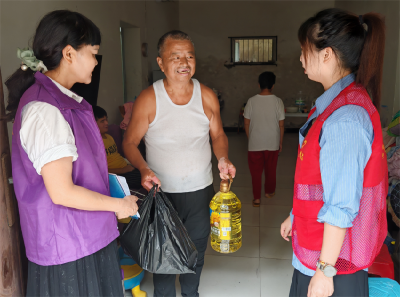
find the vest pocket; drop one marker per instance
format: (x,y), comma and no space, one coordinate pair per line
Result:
(309,231)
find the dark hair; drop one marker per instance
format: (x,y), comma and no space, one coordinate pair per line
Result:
(55,31)
(174,35)
(358,50)
(266,80)
(99,112)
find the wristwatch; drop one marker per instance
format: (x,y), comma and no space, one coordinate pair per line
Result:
(328,270)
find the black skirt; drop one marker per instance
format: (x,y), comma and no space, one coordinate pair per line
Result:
(344,285)
(98,274)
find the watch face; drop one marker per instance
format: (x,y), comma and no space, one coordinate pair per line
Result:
(329,271)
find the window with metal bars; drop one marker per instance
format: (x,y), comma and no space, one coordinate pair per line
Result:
(255,50)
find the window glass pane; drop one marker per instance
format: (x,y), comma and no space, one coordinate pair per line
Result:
(251,50)
(266,47)
(237,54)
(246,50)
(270,50)
(255,51)
(241,50)
(260,50)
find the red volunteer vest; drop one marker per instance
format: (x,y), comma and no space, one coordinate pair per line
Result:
(364,240)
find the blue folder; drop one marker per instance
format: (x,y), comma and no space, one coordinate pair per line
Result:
(119,188)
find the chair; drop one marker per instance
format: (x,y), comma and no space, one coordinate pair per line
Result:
(132,274)
(116,132)
(383,264)
(383,287)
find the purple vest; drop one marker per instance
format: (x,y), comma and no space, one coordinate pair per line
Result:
(55,234)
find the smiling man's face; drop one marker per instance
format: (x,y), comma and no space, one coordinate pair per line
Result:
(178,60)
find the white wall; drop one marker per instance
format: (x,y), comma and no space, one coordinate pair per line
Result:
(211,23)
(390,80)
(18,21)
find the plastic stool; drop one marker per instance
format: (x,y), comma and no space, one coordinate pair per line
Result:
(383,264)
(133,274)
(383,287)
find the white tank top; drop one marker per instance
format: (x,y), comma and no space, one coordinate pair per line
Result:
(177,142)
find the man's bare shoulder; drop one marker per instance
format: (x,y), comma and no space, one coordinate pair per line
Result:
(146,98)
(208,96)
(207,92)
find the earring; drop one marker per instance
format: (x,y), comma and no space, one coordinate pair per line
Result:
(24,67)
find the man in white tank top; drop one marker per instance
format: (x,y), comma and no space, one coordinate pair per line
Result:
(176,116)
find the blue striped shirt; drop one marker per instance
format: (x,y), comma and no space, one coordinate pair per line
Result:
(345,142)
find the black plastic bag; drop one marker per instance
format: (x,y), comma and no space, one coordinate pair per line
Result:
(158,241)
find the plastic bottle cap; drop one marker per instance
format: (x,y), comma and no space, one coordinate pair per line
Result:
(224,186)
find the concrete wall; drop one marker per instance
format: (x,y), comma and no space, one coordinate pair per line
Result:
(18,21)
(211,23)
(391,11)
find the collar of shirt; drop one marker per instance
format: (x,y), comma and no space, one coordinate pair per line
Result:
(324,100)
(67,92)
(327,97)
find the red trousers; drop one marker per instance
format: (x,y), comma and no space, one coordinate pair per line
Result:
(263,161)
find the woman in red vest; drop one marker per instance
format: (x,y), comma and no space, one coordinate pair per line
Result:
(338,221)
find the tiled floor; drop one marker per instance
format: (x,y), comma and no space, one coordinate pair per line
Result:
(262,267)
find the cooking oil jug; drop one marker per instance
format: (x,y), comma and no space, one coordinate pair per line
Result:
(226,220)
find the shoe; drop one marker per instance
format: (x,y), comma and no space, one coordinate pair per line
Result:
(256,204)
(270,195)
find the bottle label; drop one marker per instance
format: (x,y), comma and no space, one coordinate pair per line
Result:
(225,226)
(224,246)
(214,222)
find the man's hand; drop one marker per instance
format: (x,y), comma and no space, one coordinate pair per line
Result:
(149,178)
(320,285)
(286,229)
(280,147)
(226,168)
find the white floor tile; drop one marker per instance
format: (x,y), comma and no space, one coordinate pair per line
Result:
(273,246)
(250,215)
(273,215)
(262,267)
(230,277)
(282,197)
(284,181)
(245,194)
(250,244)
(276,277)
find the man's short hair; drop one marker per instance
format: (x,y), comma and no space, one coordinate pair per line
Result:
(174,35)
(99,112)
(266,80)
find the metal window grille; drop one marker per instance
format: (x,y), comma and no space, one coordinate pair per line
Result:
(256,50)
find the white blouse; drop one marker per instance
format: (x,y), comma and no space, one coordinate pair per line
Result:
(45,134)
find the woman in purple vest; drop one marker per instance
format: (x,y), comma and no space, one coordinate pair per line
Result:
(68,218)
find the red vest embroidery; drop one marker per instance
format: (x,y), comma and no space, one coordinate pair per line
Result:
(364,240)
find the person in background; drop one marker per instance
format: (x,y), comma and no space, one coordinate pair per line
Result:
(264,117)
(59,165)
(116,163)
(338,221)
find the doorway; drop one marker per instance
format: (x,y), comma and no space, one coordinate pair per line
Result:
(131,61)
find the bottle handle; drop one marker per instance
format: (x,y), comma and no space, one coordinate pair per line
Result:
(230,182)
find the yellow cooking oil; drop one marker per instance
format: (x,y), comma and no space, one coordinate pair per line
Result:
(225,220)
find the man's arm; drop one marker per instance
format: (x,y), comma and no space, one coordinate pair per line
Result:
(247,127)
(143,113)
(282,128)
(218,136)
